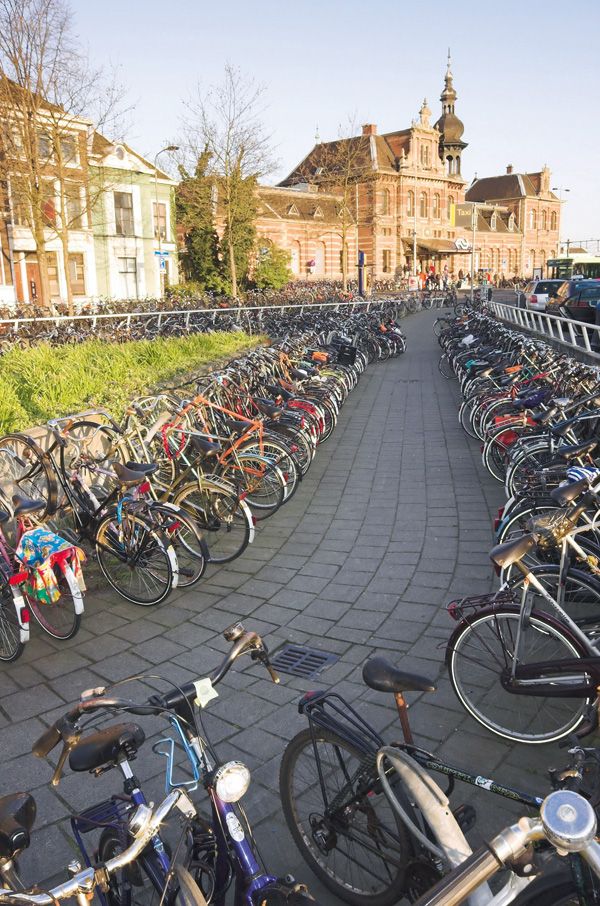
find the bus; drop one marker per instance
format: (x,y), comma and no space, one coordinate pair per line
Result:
(576,265)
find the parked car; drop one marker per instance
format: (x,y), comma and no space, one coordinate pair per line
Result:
(576,299)
(536,294)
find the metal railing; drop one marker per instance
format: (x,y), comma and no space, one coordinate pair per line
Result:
(187,313)
(572,334)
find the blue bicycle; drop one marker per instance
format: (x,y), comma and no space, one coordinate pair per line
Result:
(216,852)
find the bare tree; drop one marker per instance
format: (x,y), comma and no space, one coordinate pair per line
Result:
(340,167)
(225,122)
(47,85)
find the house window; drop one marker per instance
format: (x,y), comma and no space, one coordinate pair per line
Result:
(159,210)
(74,207)
(410,207)
(386,201)
(127,278)
(387,261)
(511,223)
(68,149)
(77,273)
(124,213)
(544,220)
(532,219)
(44,144)
(423,205)
(494,221)
(449,206)
(553,220)
(21,211)
(425,155)
(52,268)
(48,203)
(436,206)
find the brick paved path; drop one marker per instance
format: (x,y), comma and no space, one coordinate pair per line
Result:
(392,521)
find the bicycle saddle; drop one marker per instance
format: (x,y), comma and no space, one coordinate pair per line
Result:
(379,674)
(27,504)
(145,468)
(128,478)
(107,746)
(512,551)
(267,407)
(572,451)
(204,446)
(17,816)
(236,427)
(569,492)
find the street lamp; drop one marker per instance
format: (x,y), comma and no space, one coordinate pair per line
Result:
(160,265)
(560,190)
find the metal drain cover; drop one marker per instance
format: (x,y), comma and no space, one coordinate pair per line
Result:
(300,661)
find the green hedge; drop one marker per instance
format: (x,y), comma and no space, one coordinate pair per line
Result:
(45,382)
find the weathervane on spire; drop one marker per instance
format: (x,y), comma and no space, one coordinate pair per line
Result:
(449,70)
(317,136)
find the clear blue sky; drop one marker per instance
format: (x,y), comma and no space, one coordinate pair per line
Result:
(527,74)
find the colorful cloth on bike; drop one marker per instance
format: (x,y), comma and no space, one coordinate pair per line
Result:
(41,550)
(576,472)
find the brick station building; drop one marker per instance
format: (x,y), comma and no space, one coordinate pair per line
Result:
(406,184)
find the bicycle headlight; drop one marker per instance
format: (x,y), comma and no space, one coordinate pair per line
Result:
(231,781)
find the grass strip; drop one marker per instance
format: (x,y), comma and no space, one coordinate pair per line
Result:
(51,381)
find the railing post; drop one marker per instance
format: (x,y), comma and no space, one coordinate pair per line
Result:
(187,320)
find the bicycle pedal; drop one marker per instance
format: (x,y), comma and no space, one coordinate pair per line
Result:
(186,572)
(466,817)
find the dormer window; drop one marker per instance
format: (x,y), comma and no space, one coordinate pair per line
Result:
(511,223)
(120,152)
(317,212)
(293,211)
(493,221)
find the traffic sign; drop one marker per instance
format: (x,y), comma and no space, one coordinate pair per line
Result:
(161,254)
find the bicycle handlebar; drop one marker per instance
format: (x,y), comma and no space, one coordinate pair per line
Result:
(66,729)
(144,825)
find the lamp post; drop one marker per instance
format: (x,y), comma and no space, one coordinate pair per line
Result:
(160,265)
(474,226)
(560,190)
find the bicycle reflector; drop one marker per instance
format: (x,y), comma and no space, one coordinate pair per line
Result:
(231,781)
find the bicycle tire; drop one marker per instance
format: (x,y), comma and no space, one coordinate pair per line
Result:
(263,482)
(131,885)
(550,890)
(11,641)
(381,828)
(225,520)
(474,673)
(59,619)
(445,367)
(27,469)
(191,549)
(142,551)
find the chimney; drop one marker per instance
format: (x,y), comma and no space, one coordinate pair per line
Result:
(369,129)
(509,169)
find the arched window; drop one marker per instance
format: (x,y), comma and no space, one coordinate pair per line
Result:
(410,206)
(543,259)
(449,206)
(531,259)
(436,206)
(544,220)
(386,199)
(450,162)
(553,253)
(423,205)
(424,153)
(494,221)
(532,219)
(553,221)
(295,257)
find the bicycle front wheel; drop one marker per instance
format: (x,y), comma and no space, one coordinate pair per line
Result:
(135,559)
(484,646)
(226,520)
(359,850)
(11,636)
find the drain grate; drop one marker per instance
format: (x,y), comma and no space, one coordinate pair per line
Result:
(300,661)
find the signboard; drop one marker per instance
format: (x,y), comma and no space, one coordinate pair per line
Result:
(161,254)
(462,244)
(413,283)
(461,215)
(163,264)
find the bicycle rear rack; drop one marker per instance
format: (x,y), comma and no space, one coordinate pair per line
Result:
(330,711)
(462,607)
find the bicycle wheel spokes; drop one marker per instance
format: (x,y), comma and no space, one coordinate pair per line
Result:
(11,646)
(225,521)
(134,559)
(485,649)
(60,618)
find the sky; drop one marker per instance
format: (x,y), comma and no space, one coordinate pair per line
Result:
(527,75)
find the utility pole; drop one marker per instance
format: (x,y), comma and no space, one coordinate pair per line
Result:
(474,226)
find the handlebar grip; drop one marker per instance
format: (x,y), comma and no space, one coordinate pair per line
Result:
(47,741)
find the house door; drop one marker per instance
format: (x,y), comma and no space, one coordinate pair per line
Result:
(34,286)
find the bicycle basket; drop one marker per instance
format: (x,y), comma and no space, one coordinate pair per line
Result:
(550,528)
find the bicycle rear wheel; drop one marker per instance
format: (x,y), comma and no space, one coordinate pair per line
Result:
(183,533)
(61,618)
(358,850)
(135,559)
(484,645)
